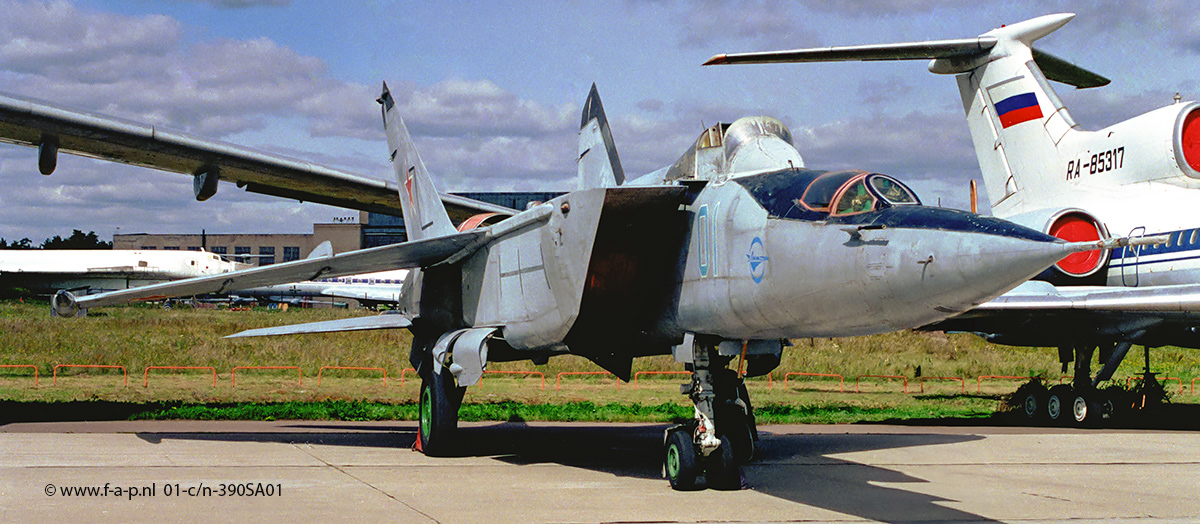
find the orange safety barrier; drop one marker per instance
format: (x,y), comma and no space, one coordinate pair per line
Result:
(860,377)
(1130,380)
(122,368)
(146,375)
(640,373)
(403,372)
(35,371)
(299,373)
(558,379)
(323,368)
(536,373)
(841,380)
(979,381)
(962,385)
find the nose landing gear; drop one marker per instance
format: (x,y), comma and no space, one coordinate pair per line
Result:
(723,435)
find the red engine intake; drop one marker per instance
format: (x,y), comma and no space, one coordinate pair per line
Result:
(1079,227)
(1189,139)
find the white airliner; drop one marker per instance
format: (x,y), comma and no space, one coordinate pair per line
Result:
(369,289)
(1139,177)
(87,271)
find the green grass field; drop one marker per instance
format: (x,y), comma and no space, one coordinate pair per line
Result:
(140,336)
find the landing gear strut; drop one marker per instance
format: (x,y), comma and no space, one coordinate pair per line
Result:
(723,435)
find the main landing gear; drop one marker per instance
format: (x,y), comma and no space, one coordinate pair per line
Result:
(438,412)
(1082,403)
(722,436)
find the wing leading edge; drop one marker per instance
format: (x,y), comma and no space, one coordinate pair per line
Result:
(56,129)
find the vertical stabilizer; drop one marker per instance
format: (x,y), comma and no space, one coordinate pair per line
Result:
(424,214)
(1016,119)
(1017,122)
(599,165)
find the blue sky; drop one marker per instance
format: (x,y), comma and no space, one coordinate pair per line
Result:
(492,90)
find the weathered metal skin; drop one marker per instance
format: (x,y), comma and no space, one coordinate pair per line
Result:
(531,283)
(752,276)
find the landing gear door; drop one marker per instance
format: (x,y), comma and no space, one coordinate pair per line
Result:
(1129,259)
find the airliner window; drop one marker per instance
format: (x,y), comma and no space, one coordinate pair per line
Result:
(892,191)
(855,199)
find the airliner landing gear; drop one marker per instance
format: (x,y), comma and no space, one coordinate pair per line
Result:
(1082,403)
(723,435)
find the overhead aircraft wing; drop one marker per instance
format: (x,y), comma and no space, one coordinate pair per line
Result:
(53,129)
(396,256)
(1053,67)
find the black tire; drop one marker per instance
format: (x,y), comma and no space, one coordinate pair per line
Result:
(438,409)
(739,429)
(1058,404)
(1114,403)
(1030,401)
(1085,411)
(721,468)
(680,461)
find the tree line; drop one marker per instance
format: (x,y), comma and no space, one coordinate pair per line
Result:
(77,240)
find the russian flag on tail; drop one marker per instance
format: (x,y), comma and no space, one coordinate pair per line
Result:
(1018,108)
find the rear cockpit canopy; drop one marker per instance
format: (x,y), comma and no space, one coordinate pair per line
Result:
(803,194)
(749,144)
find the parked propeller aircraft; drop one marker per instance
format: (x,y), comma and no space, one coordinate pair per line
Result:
(1139,178)
(724,255)
(86,271)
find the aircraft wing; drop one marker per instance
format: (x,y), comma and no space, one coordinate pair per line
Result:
(396,256)
(388,320)
(1037,313)
(52,129)
(1053,67)
(1038,295)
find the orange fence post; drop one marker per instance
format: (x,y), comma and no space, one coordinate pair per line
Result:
(558,379)
(860,377)
(323,368)
(402,373)
(962,384)
(979,380)
(534,373)
(122,368)
(146,375)
(1164,379)
(299,373)
(23,366)
(640,373)
(841,379)
(1193,384)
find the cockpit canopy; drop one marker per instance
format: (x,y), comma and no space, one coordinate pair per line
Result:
(803,194)
(721,149)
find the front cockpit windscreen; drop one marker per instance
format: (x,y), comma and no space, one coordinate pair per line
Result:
(892,190)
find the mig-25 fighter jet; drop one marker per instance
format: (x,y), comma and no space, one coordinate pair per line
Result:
(722,256)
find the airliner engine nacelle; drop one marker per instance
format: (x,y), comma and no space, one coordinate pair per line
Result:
(1074,225)
(1162,145)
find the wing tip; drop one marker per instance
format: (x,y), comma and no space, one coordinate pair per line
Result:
(716,60)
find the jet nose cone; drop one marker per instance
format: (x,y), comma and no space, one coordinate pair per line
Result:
(966,259)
